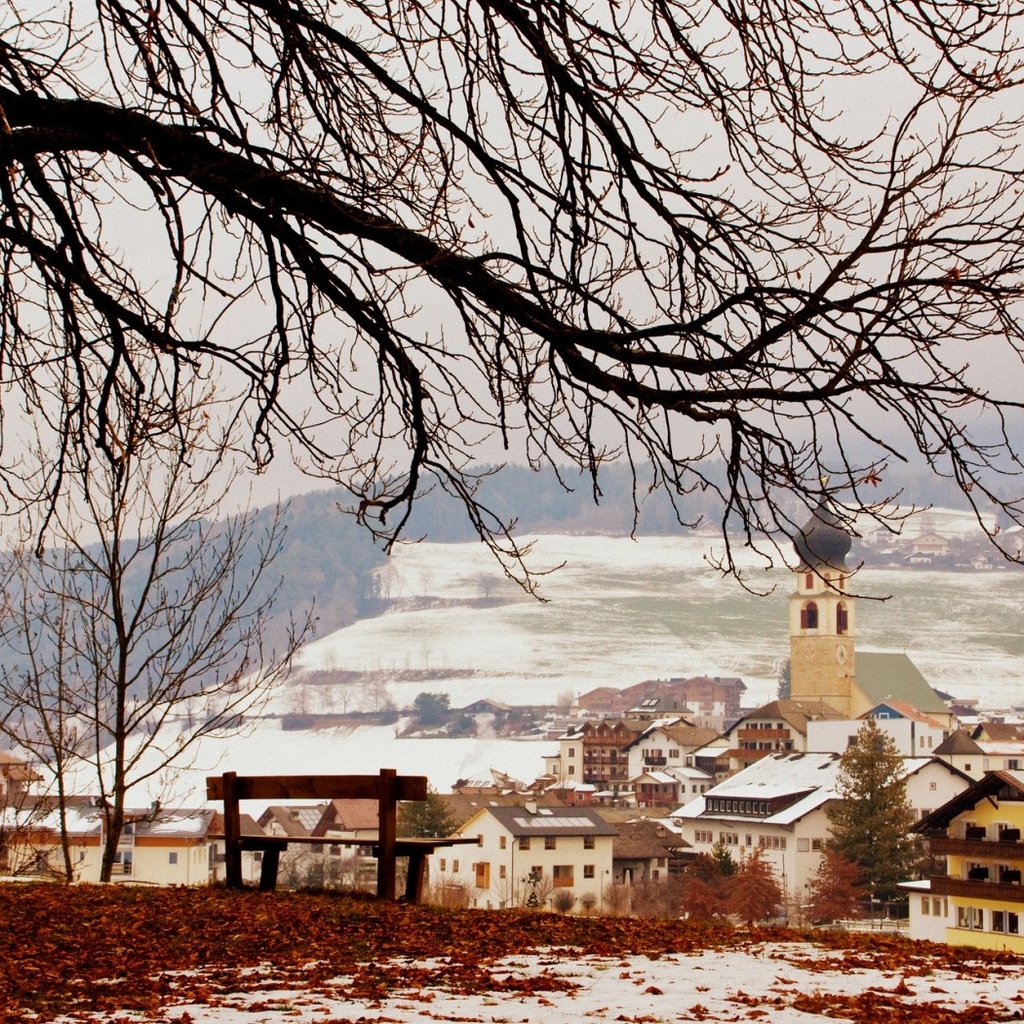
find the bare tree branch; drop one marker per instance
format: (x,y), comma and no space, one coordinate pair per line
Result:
(745,246)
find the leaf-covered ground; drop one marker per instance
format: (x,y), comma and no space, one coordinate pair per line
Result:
(123,954)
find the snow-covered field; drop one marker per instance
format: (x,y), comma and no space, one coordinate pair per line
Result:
(784,983)
(621,611)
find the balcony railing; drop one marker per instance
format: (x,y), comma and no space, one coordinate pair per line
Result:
(651,759)
(978,890)
(763,734)
(988,849)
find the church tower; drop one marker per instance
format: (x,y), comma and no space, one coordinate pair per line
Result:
(822,620)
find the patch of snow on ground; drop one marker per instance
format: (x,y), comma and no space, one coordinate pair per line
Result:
(753,982)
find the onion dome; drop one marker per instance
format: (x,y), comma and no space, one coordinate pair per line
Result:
(822,542)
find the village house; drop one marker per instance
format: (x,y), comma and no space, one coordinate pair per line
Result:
(666,745)
(301,863)
(989,746)
(926,547)
(168,847)
(177,848)
(16,779)
(708,701)
(350,828)
(30,842)
(524,854)
(780,725)
(596,752)
(979,900)
(913,733)
(646,850)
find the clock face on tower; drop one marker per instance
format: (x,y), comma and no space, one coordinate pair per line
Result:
(841,654)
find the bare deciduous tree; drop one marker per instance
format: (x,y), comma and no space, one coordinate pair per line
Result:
(746,245)
(141,630)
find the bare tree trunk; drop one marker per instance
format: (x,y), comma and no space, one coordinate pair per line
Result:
(148,638)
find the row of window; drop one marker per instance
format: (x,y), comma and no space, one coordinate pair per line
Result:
(999,831)
(737,806)
(706,836)
(562,875)
(975,918)
(1007,874)
(550,842)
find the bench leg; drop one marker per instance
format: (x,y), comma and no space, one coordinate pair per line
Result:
(416,876)
(232,833)
(268,872)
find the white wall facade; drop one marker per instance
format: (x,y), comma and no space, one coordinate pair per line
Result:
(494,873)
(793,851)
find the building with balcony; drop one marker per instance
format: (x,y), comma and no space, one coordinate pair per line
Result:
(779,805)
(708,700)
(667,746)
(979,899)
(776,727)
(596,753)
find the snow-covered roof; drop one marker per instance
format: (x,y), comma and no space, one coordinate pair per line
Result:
(780,774)
(80,821)
(571,785)
(552,821)
(809,778)
(187,823)
(662,778)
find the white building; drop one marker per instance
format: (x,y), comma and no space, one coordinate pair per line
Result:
(914,733)
(667,745)
(524,854)
(779,804)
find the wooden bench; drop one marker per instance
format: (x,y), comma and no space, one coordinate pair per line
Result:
(387,788)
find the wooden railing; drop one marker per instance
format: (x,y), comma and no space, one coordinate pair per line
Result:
(986,849)
(978,890)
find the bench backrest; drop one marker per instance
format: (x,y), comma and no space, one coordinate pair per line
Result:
(388,787)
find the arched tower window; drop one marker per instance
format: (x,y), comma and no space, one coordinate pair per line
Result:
(809,581)
(809,616)
(842,619)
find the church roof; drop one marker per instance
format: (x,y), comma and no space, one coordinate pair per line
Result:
(884,677)
(823,542)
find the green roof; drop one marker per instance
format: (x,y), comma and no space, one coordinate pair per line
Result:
(884,677)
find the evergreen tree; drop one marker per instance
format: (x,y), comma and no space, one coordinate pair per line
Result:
(722,856)
(425,818)
(872,818)
(431,708)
